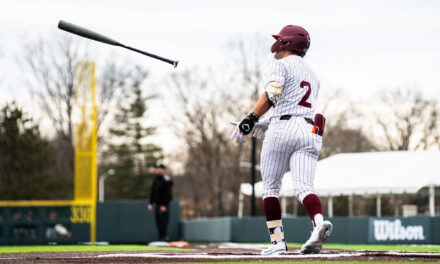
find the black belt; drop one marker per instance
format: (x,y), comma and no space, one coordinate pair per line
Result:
(287,117)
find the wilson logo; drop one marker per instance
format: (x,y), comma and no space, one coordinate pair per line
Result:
(394,230)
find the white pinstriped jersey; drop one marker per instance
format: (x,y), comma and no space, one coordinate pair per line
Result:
(301,87)
(291,143)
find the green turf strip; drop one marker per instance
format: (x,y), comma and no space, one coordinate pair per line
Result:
(414,248)
(308,262)
(67,248)
(58,248)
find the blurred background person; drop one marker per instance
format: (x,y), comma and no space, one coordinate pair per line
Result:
(160,196)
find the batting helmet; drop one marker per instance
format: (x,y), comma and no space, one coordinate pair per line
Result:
(292,37)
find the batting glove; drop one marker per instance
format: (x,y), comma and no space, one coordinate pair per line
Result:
(260,128)
(239,137)
(248,123)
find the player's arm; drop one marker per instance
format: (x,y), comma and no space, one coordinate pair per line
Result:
(247,124)
(273,91)
(263,105)
(269,98)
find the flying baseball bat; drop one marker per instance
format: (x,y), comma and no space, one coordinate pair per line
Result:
(69,27)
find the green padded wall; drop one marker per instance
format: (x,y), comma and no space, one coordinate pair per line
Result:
(131,222)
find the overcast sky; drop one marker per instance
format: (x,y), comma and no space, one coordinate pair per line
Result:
(359,46)
(356,45)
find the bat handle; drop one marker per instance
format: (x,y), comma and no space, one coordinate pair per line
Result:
(174,63)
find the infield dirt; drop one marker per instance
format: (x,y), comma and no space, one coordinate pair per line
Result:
(214,253)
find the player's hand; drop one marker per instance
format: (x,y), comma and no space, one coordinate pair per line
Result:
(163,209)
(248,123)
(239,137)
(260,128)
(150,207)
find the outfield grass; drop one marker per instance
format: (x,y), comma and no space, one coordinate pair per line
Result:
(414,248)
(417,248)
(67,248)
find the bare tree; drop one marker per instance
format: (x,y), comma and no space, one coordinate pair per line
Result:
(212,174)
(249,62)
(51,65)
(212,162)
(112,78)
(407,120)
(343,134)
(341,138)
(1,55)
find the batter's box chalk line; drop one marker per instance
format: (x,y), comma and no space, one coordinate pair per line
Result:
(230,256)
(290,255)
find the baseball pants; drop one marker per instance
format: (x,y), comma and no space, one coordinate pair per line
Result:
(162,222)
(289,143)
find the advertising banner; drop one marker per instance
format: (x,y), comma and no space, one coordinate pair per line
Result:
(413,230)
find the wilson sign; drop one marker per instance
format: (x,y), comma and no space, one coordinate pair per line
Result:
(409,230)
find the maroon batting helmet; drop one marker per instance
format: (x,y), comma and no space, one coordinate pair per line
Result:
(292,37)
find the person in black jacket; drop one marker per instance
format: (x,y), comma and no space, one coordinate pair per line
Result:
(161,196)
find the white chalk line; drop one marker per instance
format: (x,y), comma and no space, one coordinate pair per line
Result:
(243,246)
(205,256)
(416,254)
(288,256)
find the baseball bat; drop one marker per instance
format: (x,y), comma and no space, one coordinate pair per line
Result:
(84,32)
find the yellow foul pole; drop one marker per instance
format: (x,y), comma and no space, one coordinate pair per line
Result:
(85,146)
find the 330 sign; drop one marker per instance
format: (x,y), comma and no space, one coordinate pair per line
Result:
(80,214)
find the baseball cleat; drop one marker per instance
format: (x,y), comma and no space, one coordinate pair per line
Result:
(279,248)
(319,234)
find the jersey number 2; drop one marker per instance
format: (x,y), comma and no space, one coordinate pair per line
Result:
(303,101)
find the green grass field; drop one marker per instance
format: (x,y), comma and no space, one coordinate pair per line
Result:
(66,248)
(414,248)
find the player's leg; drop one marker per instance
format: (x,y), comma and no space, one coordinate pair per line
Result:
(158,221)
(274,162)
(163,225)
(303,167)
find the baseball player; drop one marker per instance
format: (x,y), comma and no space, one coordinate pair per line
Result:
(293,137)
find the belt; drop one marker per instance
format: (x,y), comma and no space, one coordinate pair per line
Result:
(287,117)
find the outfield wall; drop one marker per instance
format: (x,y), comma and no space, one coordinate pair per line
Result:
(131,222)
(357,230)
(116,222)
(31,225)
